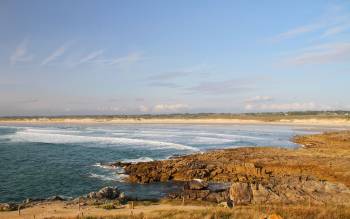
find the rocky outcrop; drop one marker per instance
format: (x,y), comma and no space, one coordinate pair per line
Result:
(326,159)
(106,193)
(317,172)
(289,190)
(201,191)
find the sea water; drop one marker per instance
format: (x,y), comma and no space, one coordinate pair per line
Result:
(39,161)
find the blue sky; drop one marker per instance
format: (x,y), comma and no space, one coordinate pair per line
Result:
(133,57)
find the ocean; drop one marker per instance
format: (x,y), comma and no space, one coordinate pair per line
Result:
(39,161)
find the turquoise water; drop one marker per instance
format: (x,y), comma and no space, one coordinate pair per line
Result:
(41,161)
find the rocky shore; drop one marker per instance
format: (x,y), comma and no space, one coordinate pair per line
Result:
(316,173)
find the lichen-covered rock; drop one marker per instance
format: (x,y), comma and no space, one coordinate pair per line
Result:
(105,193)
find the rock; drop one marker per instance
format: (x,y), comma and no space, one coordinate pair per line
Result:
(105,193)
(196,194)
(122,195)
(196,185)
(241,193)
(56,198)
(262,195)
(28,200)
(218,196)
(8,206)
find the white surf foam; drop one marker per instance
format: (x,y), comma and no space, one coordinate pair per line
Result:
(118,170)
(138,160)
(52,131)
(109,177)
(229,136)
(56,138)
(209,140)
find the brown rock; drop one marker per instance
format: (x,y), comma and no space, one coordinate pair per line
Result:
(196,185)
(241,193)
(196,194)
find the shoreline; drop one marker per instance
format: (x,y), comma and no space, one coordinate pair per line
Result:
(89,121)
(315,175)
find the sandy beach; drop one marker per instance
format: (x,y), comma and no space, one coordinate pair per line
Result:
(306,122)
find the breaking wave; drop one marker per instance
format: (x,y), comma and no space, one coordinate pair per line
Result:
(28,135)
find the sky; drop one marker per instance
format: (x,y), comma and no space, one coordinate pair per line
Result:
(82,57)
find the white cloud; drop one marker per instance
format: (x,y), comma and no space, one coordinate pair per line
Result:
(170,107)
(297,31)
(321,54)
(259,99)
(123,61)
(143,109)
(56,54)
(21,53)
(127,60)
(90,57)
(296,106)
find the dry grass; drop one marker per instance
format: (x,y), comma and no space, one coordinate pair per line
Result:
(246,212)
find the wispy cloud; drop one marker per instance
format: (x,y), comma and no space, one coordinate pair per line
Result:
(122,62)
(168,76)
(21,53)
(168,79)
(128,60)
(334,21)
(163,84)
(91,56)
(321,54)
(336,30)
(221,87)
(56,54)
(297,31)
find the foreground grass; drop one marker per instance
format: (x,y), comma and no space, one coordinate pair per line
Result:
(246,212)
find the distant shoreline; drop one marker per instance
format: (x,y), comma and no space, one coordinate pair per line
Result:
(87,120)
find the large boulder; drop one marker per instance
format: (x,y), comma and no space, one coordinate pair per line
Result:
(241,193)
(105,193)
(196,185)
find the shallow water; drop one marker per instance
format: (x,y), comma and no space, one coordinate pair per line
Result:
(39,161)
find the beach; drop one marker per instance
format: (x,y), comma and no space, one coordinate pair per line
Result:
(292,121)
